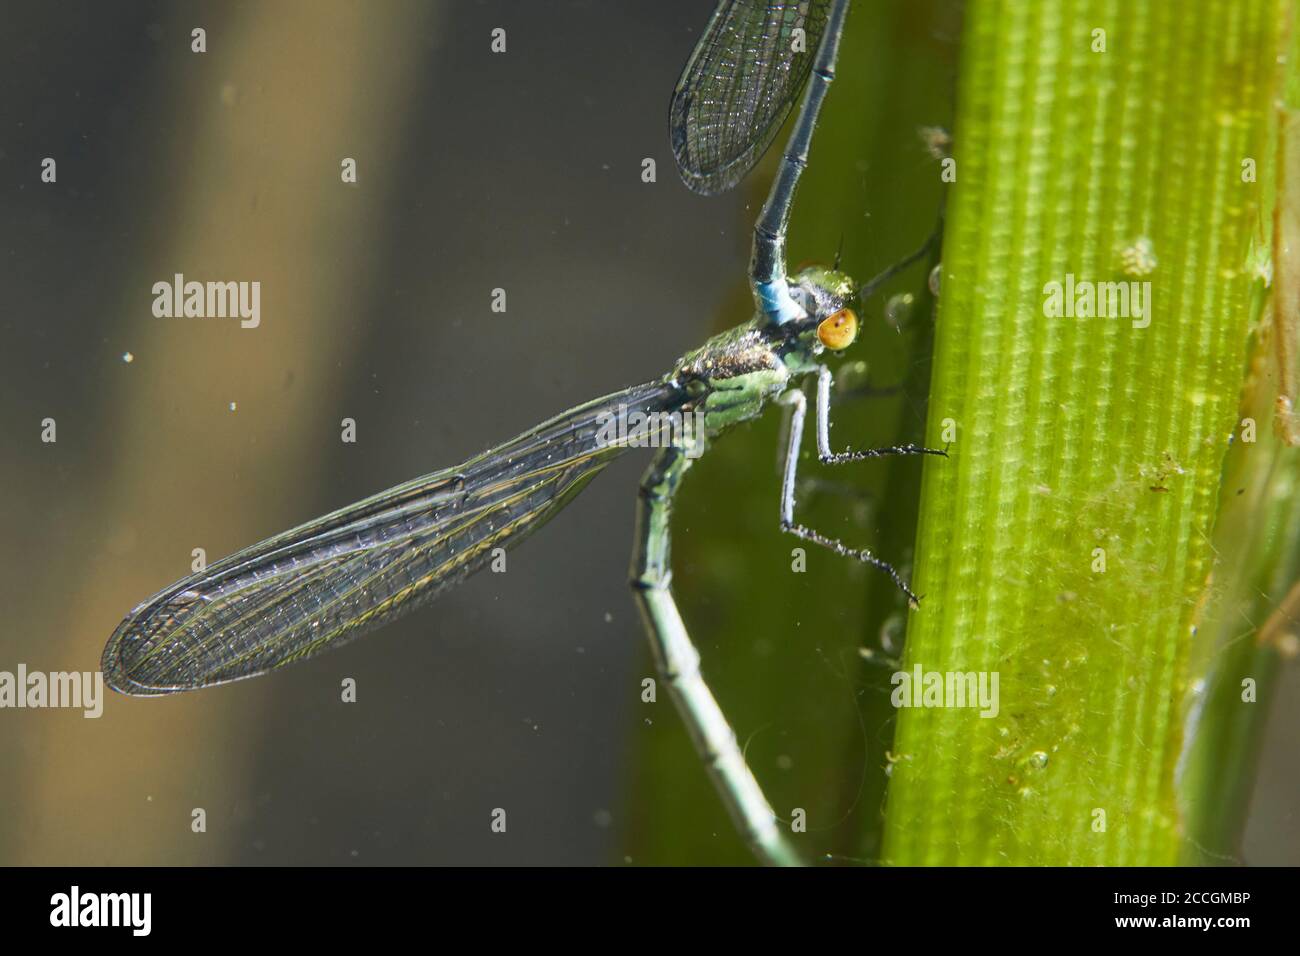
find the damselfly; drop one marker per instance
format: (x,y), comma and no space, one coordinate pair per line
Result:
(336,577)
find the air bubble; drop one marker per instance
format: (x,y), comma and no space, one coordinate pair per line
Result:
(935,280)
(851,376)
(899,309)
(891,634)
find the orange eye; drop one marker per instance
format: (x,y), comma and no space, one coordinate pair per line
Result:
(838,331)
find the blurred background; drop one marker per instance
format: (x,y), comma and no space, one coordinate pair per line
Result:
(519,170)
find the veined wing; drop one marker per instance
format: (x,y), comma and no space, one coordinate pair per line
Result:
(336,577)
(738,86)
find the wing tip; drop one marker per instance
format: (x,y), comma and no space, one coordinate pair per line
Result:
(719,177)
(120,675)
(707,182)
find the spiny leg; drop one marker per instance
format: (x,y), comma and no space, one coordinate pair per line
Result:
(767,267)
(799,411)
(828,457)
(678,663)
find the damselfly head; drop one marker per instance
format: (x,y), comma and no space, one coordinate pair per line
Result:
(830,298)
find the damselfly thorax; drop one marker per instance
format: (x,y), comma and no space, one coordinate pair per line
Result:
(735,374)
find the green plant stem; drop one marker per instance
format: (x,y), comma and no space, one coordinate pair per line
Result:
(1066,545)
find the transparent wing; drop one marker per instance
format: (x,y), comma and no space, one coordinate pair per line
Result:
(738,86)
(334,578)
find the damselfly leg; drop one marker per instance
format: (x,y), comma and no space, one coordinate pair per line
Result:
(799,409)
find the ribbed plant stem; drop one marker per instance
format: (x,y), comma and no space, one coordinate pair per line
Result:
(1066,544)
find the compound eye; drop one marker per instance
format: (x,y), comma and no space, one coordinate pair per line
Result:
(837,331)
